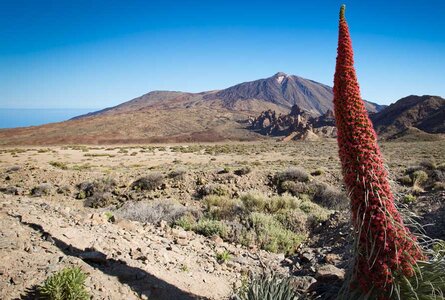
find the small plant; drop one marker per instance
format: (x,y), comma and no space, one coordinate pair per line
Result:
(223,256)
(184,268)
(331,198)
(108,215)
(59,164)
(213,189)
(67,284)
(267,286)
(41,190)
(253,202)
(187,222)
(419,177)
(210,228)
(318,172)
(243,171)
(149,182)
(222,207)
(407,199)
(292,174)
(153,212)
(272,236)
(406,180)
(178,174)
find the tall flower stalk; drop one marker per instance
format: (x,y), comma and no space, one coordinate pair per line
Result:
(385,248)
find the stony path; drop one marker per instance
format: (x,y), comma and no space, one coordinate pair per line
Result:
(124,260)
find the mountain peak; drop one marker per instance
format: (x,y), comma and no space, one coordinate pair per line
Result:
(279,74)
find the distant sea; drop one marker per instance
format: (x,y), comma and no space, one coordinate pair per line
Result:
(17,117)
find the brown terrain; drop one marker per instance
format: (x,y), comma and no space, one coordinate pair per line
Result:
(192,221)
(163,116)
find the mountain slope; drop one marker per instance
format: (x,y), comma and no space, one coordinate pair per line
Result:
(422,112)
(166,116)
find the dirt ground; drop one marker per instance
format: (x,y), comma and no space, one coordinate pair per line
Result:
(45,225)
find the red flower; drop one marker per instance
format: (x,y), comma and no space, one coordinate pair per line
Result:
(386,247)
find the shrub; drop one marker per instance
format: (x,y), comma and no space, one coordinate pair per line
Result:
(272,236)
(294,219)
(292,174)
(41,190)
(213,189)
(149,182)
(64,190)
(222,207)
(267,286)
(153,212)
(405,180)
(178,174)
(318,172)
(187,222)
(409,198)
(331,198)
(223,256)
(296,188)
(428,164)
(58,164)
(67,284)
(243,171)
(419,177)
(210,227)
(278,203)
(253,202)
(439,186)
(98,193)
(101,199)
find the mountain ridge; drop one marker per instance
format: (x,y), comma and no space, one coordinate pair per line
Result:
(174,116)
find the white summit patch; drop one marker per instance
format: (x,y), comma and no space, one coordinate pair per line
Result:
(280,78)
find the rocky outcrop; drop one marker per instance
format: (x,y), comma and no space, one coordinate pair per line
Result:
(297,125)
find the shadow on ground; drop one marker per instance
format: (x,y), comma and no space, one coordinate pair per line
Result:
(140,281)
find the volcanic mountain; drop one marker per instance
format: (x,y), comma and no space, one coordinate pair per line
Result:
(166,116)
(411,114)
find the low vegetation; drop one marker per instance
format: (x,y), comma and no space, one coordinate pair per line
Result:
(67,284)
(267,286)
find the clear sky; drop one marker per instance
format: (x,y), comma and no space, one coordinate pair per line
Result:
(95,54)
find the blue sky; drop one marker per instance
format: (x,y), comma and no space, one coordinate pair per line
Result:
(95,54)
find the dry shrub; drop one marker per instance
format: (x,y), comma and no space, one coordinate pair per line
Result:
(153,212)
(331,198)
(149,182)
(292,174)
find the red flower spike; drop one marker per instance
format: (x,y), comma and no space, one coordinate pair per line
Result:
(386,248)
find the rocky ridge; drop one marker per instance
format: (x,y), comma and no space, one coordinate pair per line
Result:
(297,125)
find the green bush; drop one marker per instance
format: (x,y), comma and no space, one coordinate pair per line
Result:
(278,203)
(223,256)
(267,287)
(213,189)
(58,164)
(294,219)
(222,207)
(405,180)
(409,198)
(210,227)
(419,177)
(67,284)
(187,222)
(272,236)
(253,202)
